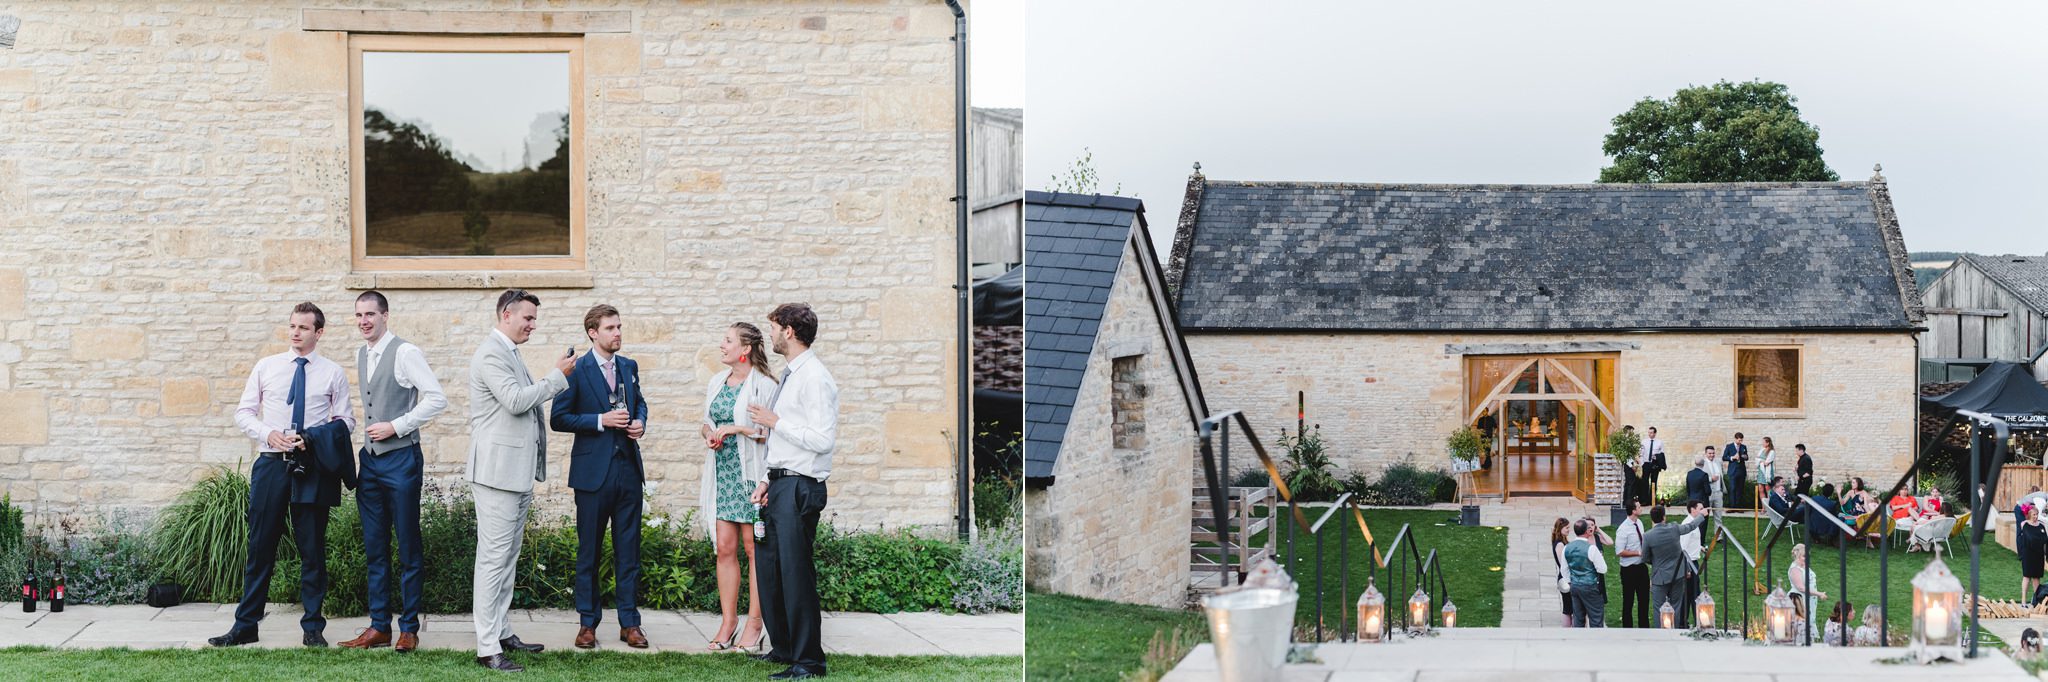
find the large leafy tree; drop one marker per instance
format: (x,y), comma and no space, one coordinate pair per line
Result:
(1725,132)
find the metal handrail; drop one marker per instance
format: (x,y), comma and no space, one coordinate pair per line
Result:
(1748,564)
(1722,531)
(1417,571)
(1317,527)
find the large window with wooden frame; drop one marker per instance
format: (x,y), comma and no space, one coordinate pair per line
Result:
(1770,380)
(466,153)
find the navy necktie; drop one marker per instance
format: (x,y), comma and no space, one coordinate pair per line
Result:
(297,398)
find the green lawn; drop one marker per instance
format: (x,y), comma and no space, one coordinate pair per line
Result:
(2000,571)
(345,664)
(1070,638)
(1473,561)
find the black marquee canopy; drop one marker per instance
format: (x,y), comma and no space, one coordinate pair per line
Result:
(2006,390)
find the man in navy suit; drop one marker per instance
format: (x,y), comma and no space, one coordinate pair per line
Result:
(604,407)
(1736,455)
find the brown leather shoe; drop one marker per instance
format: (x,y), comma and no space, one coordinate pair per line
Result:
(633,637)
(586,638)
(370,638)
(407,642)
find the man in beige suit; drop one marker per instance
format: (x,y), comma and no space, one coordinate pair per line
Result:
(507,453)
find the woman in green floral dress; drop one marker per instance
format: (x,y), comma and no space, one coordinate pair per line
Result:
(732,468)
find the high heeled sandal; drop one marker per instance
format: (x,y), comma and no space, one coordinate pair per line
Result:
(727,645)
(759,642)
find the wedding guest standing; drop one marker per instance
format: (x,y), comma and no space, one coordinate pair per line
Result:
(1635,574)
(803,429)
(508,449)
(400,395)
(2031,542)
(607,411)
(1802,472)
(1735,457)
(1767,461)
(732,469)
(287,394)
(1654,463)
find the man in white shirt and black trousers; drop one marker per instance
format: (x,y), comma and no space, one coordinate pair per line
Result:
(802,423)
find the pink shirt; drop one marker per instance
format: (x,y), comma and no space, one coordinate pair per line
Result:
(263,409)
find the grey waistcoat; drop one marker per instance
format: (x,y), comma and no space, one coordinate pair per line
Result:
(383,399)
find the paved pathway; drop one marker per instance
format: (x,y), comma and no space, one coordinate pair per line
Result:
(1603,655)
(1530,597)
(188,626)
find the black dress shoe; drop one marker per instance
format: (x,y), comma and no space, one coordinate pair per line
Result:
(514,643)
(499,662)
(315,639)
(770,657)
(233,638)
(799,672)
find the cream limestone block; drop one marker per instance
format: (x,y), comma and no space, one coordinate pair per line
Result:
(309,61)
(24,419)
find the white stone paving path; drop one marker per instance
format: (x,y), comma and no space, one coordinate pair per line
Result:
(187,626)
(1529,596)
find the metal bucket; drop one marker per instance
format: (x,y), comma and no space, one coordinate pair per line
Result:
(1251,630)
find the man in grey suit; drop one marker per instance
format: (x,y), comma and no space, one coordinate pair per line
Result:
(1668,564)
(507,453)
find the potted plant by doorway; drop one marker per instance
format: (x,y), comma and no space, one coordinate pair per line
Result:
(1465,445)
(1625,446)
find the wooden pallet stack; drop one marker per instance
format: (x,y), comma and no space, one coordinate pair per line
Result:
(1606,479)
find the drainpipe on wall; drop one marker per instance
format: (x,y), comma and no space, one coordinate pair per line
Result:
(964,357)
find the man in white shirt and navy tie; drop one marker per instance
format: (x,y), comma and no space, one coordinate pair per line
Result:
(287,394)
(802,425)
(1653,464)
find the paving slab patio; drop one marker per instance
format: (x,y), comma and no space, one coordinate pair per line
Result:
(187,626)
(1543,654)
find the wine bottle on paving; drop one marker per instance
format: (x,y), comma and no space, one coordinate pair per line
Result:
(57,590)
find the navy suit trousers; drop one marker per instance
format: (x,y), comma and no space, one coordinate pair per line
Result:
(616,502)
(389,498)
(270,490)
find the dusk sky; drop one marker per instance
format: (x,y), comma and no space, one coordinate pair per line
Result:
(1949,97)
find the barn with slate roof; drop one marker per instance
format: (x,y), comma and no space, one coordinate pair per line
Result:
(1111,406)
(1549,315)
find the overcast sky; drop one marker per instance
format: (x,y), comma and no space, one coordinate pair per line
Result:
(995,53)
(484,105)
(1951,98)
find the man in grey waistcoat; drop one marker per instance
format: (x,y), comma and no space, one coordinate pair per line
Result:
(400,395)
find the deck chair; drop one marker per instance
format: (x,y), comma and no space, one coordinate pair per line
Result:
(1777,520)
(1934,534)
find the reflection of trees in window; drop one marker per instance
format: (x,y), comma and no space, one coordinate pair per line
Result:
(422,199)
(1767,378)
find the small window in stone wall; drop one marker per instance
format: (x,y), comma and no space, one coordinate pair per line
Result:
(466,153)
(1127,393)
(1768,379)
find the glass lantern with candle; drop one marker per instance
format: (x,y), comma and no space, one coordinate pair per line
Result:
(1372,614)
(1778,617)
(1703,612)
(1418,611)
(1667,617)
(1937,614)
(1450,613)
